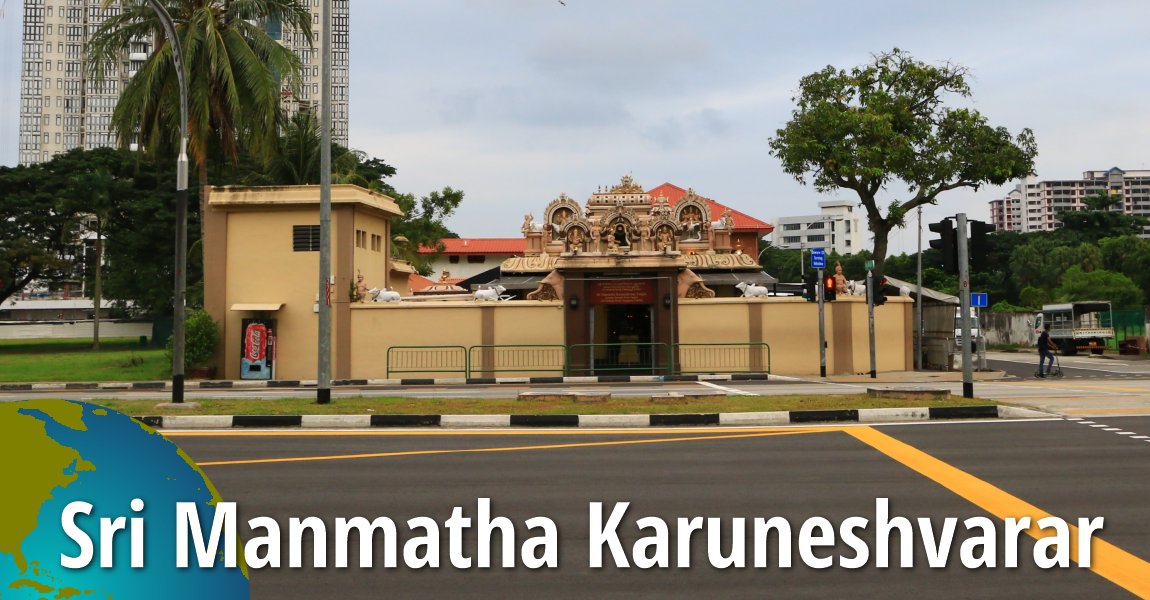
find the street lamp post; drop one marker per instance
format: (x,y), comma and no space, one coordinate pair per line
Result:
(181,270)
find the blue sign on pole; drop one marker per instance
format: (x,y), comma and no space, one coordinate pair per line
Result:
(818,258)
(979,300)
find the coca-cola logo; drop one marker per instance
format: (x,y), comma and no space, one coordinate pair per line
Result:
(254,342)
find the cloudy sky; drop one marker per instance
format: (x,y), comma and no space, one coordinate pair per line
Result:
(516,101)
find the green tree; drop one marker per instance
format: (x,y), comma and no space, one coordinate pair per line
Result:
(884,123)
(1099,220)
(95,194)
(235,72)
(422,225)
(37,230)
(1099,285)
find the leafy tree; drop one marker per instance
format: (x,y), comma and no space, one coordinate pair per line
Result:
(422,225)
(1097,220)
(234,72)
(95,194)
(37,230)
(1035,297)
(1100,284)
(884,123)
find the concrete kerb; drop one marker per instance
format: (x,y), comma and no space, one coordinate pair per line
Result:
(747,419)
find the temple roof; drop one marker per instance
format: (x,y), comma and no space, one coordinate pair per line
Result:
(743,221)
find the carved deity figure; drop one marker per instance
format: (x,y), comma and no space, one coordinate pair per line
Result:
(621,236)
(665,238)
(840,280)
(360,287)
(596,236)
(575,239)
(528,223)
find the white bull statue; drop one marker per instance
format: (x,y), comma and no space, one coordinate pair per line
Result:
(751,290)
(378,295)
(856,288)
(490,294)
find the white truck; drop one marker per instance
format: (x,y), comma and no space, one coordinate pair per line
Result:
(1077,326)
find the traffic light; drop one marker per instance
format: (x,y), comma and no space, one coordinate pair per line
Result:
(829,288)
(977,247)
(877,297)
(811,287)
(946,244)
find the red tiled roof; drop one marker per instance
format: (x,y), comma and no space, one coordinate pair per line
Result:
(743,221)
(417,282)
(479,246)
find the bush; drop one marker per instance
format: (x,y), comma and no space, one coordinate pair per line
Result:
(200,337)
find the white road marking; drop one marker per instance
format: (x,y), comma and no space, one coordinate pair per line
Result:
(728,390)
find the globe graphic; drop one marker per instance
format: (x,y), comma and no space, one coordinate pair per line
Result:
(56,452)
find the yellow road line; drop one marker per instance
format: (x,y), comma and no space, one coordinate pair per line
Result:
(1073,386)
(1115,564)
(495,432)
(506,449)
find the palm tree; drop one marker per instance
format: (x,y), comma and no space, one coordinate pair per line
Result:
(235,72)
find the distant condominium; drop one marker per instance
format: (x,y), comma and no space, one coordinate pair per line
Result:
(836,228)
(62,108)
(1034,205)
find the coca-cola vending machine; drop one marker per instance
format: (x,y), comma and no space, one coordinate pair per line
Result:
(259,349)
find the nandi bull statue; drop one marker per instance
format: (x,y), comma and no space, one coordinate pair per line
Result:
(492,294)
(378,295)
(751,290)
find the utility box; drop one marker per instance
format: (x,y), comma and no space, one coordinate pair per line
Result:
(258,349)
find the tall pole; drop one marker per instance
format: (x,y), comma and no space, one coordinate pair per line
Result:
(918,301)
(181,270)
(964,292)
(870,289)
(822,292)
(323,371)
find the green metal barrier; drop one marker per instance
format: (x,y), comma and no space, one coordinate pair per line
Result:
(1126,323)
(426,359)
(522,358)
(721,358)
(630,357)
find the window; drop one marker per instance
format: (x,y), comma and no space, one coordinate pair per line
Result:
(360,238)
(791,227)
(453,259)
(305,238)
(376,243)
(476,259)
(816,238)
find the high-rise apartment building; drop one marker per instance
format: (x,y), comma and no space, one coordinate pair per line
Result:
(62,108)
(1034,205)
(307,97)
(836,228)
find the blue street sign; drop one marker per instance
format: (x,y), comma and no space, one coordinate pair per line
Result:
(818,258)
(979,300)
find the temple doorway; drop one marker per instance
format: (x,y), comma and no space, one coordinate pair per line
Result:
(622,326)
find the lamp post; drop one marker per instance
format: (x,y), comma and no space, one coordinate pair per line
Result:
(326,285)
(181,270)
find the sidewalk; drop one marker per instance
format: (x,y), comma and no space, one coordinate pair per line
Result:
(886,377)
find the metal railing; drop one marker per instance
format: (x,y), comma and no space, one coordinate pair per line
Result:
(630,357)
(426,359)
(721,358)
(655,358)
(518,358)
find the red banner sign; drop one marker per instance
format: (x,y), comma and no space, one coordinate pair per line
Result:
(255,342)
(622,292)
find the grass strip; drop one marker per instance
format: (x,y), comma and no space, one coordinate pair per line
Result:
(473,406)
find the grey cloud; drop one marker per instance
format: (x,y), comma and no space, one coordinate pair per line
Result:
(677,131)
(532,108)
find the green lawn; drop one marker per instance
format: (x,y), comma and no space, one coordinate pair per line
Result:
(469,406)
(119,359)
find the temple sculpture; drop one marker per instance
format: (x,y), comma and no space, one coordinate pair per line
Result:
(624,229)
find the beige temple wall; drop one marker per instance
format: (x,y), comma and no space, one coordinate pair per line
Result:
(379,326)
(790,326)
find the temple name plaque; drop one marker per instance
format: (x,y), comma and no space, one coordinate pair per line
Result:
(622,292)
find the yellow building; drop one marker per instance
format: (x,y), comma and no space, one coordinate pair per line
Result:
(620,286)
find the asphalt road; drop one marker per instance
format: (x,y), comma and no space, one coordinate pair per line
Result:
(1067,468)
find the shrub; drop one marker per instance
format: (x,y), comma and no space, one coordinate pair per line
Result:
(200,337)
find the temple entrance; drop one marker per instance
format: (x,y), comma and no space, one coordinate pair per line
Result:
(622,327)
(622,334)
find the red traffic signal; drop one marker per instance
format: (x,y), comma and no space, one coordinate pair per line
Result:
(829,288)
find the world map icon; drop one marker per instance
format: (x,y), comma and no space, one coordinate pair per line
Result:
(57,452)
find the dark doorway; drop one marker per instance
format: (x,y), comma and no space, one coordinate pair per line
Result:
(622,334)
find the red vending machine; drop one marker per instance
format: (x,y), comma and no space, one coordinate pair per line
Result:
(259,349)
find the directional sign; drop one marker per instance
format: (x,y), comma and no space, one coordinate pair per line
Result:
(979,300)
(818,258)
